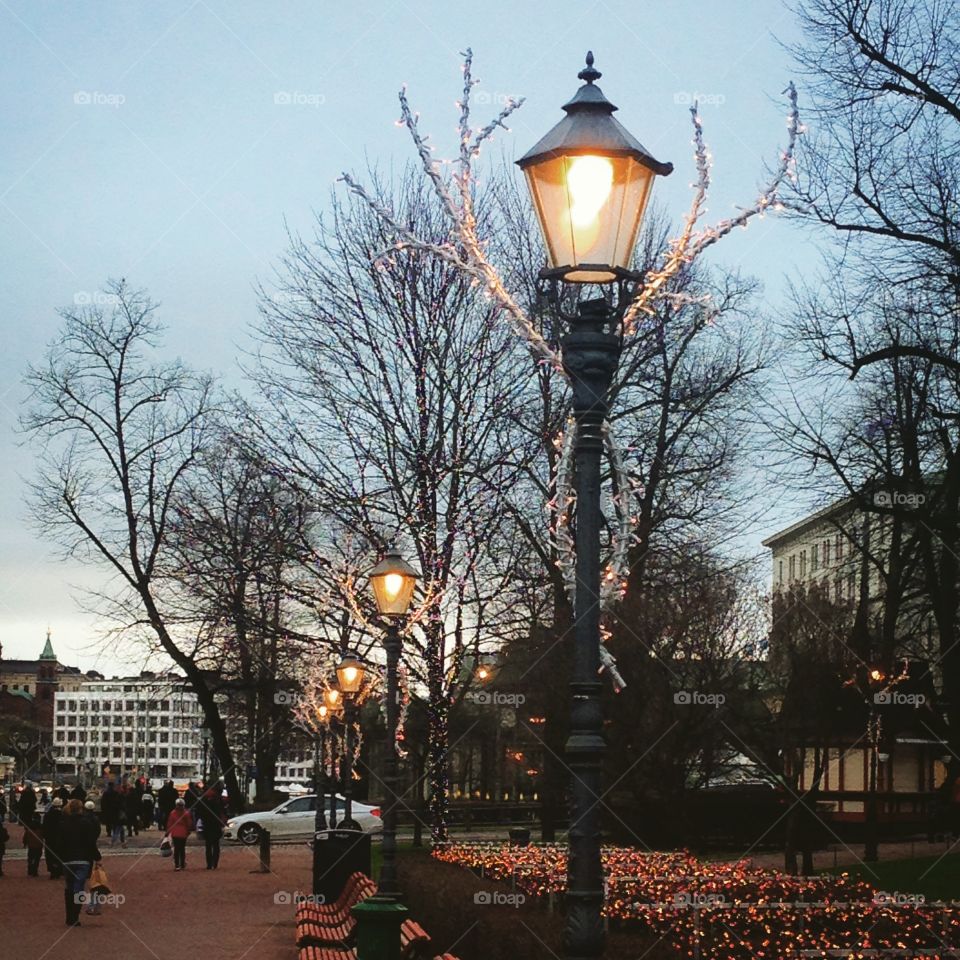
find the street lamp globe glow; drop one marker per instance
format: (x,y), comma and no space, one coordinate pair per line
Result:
(590,181)
(350,674)
(393,581)
(332,697)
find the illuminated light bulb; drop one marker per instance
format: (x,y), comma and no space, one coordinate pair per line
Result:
(350,674)
(393,583)
(589,180)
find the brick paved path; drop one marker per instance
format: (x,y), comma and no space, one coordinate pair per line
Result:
(224,914)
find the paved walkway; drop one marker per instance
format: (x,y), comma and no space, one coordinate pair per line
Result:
(227,914)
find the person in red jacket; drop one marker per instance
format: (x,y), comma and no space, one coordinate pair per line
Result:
(179,827)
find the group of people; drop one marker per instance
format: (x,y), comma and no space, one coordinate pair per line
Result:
(129,808)
(65,830)
(66,834)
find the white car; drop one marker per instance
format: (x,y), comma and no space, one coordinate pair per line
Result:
(296,818)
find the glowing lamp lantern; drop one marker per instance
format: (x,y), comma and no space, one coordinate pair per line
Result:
(322,712)
(332,699)
(590,181)
(393,581)
(350,674)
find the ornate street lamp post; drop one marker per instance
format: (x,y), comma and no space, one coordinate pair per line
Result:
(590,181)
(205,741)
(333,701)
(350,673)
(379,919)
(319,777)
(393,581)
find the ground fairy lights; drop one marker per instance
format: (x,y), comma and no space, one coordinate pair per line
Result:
(733,910)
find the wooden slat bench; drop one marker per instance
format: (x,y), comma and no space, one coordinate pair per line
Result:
(358,887)
(413,941)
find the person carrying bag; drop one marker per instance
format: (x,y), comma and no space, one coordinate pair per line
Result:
(179,827)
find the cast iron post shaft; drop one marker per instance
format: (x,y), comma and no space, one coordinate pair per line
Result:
(590,357)
(389,885)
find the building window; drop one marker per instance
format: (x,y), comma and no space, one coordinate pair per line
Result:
(780,580)
(803,564)
(793,568)
(826,553)
(839,548)
(851,586)
(838,590)
(814,550)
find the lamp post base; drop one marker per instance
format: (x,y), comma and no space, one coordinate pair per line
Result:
(378,928)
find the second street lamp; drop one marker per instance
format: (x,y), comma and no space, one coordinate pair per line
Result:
(332,701)
(350,673)
(590,181)
(393,581)
(319,773)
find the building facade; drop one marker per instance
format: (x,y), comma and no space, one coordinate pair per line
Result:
(837,552)
(148,725)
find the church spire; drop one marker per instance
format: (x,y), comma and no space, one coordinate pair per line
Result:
(48,653)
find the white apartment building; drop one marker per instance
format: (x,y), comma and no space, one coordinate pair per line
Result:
(147,725)
(823,551)
(819,550)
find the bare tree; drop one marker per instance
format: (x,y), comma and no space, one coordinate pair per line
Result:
(237,545)
(117,434)
(386,381)
(882,170)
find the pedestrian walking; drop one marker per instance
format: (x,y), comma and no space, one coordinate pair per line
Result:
(27,804)
(179,827)
(52,822)
(166,800)
(133,807)
(79,851)
(90,812)
(63,792)
(33,841)
(110,810)
(77,793)
(209,810)
(146,808)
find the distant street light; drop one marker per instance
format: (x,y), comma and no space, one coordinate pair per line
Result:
(205,741)
(319,774)
(393,581)
(350,673)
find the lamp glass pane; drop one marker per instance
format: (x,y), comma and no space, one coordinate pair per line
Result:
(393,592)
(589,208)
(350,676)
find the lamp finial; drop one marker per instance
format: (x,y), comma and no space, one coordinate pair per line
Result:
(589,74)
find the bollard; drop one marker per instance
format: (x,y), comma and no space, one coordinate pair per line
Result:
(264,853)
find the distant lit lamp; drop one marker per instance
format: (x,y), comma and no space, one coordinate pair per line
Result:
(393,581)
(350,673)
(332,699)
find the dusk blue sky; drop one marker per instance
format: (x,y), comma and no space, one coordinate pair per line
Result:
(168,143)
